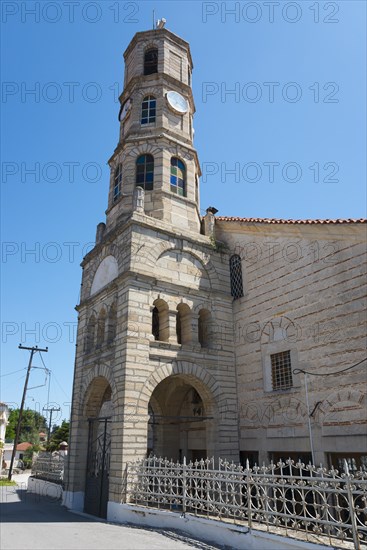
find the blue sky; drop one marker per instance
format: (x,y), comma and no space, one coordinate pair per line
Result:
(289,141)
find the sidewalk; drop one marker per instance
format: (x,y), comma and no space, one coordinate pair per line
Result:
(22,478)
(39,523)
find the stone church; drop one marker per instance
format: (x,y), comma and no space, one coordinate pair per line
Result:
(240,338)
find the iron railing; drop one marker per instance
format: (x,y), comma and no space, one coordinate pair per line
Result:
(49,468)
(286,498)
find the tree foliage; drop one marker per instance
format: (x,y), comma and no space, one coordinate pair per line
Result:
(28,456)
(59,434)
(32,424)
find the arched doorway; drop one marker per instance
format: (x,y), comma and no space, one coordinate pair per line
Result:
(180,420)
(99,412)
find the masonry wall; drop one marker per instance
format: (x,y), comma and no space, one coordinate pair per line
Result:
(304,291)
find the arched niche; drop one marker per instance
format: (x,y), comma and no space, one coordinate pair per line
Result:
(107,271)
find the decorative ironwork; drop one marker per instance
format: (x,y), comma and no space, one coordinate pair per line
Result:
(281,370)
(98,465)
(288,498)
(235,269)
(49,467)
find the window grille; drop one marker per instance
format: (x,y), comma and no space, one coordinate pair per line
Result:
(117,183)
(151,61)
(148,109)
(235,268)
(145,172)
(178,177)
(281,370)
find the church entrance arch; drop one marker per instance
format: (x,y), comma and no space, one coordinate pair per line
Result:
(99,412)
(181,419)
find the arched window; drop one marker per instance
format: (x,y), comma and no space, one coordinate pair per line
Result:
(183,324)
(117,182)
(160,321)
(204,328)
(112,323)
(178,328)
(145,172)
(235,269)
(151,61)
(155,323)
(178,177)
(148,109)
(91,329)
(101,326)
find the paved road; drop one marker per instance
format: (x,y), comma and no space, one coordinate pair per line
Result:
(37,523)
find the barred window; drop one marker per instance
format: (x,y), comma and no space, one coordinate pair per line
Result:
(235,268)
(145,172)
(148,109)
(117,182)
(178,177)
(281,370)
(151,61)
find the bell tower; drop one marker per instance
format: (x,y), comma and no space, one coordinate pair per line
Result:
(154,366)
(155,152)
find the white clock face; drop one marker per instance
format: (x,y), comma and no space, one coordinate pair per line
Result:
(125,109)
(177,102)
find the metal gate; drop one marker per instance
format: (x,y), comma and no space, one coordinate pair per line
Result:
(98,465)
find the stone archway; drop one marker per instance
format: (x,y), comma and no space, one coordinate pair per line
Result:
(181,419)
(98,410)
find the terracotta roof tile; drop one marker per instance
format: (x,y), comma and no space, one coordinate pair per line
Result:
(280,221)
(23,446)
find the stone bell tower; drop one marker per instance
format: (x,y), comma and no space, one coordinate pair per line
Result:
(156,123)
(154,367)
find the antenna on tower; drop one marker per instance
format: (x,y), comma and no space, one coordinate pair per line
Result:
(153,20)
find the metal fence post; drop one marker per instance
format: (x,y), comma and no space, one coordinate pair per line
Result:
(184,482)
(352,511)
(248,486)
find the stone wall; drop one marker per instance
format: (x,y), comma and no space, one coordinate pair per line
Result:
(304,291)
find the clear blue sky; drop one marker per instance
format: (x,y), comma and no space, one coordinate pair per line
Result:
(306,67)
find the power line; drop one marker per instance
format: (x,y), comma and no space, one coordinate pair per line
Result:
(297,371)
(61,388)
(14,372)
(33,350)
(55,378)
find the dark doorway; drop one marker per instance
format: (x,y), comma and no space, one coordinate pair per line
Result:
(98,465)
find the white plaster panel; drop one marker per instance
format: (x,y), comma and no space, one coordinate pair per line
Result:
(106,272)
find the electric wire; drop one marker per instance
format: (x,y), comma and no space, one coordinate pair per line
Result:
(14,372)
(297,371)
(55,378)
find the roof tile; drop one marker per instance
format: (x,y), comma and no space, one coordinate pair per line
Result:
(281,221)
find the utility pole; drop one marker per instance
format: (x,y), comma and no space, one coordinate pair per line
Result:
(51,410)
(33,350)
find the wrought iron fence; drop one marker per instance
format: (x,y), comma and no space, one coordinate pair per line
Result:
(290,498)
(49,467)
